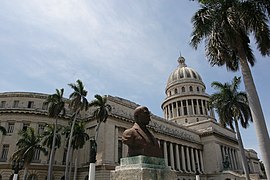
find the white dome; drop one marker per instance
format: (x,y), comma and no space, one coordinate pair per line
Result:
(183,73)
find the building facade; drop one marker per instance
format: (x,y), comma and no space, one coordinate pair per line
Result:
(191,138)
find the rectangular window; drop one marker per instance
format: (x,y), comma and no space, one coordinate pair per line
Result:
(10,127)
(25,126)
(64,157)
(44,106)
(41,129)
(120,150)
(36,155)
(30,104)
(3,104)
(4,153)
(15,104)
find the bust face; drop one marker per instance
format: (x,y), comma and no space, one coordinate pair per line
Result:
(143,115)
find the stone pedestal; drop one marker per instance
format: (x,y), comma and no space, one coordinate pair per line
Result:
(142,168)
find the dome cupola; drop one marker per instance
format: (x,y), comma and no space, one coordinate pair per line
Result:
(186,100)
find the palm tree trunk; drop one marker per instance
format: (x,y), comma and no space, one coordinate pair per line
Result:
(76,166)
(71,161)
(25,172)
(257,115)
(69,144)
(242,150)
(52,152)
(97,128)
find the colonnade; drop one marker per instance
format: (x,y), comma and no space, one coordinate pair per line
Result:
(187,107)
(231,155)
(182,158)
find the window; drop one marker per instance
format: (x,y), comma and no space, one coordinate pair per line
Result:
(198,89)
(10,127)
(36,155)
(32,177)
(183,89)
(64,157)
(30,104)
(4,153)
(190,88)
(175,91)
(120,150)
(25,126)
(3,104)
(41,128)
(15,104)
(44,106)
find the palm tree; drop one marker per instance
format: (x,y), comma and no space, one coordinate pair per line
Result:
(226,27)
(78,141)
(232,106)
(28,145)
(50,135)
(56,106)
(78,102)
(101,112)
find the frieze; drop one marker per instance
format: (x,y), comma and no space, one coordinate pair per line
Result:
(174,132)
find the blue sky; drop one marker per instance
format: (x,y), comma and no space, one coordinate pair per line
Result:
(116,47)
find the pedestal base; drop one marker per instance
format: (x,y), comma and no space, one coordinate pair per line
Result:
(142,168)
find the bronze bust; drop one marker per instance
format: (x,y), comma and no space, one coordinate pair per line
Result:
(139,139)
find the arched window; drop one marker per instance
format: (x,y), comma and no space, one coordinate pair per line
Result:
(190,88)
(32,177)
(198,89)
(175,91)
(183,89)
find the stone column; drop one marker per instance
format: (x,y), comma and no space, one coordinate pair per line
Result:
(182,108)
(198,107)
(203,109)
(187,107)
(173,112)
(201,160)
(172,156)
(192,160)
(177,109)
(116,145)
(233,163)
(197,160)
(177,157)
(192,106)
(183,159)
(236,160)
(188,159)
(165,153)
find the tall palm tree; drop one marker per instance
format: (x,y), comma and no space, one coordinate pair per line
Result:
(78,102)
(101,112)
(28,144)
(232,106)
(50,135)
(78,141)
(226,27)
(56,106)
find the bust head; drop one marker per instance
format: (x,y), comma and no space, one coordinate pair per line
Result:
(142,115)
